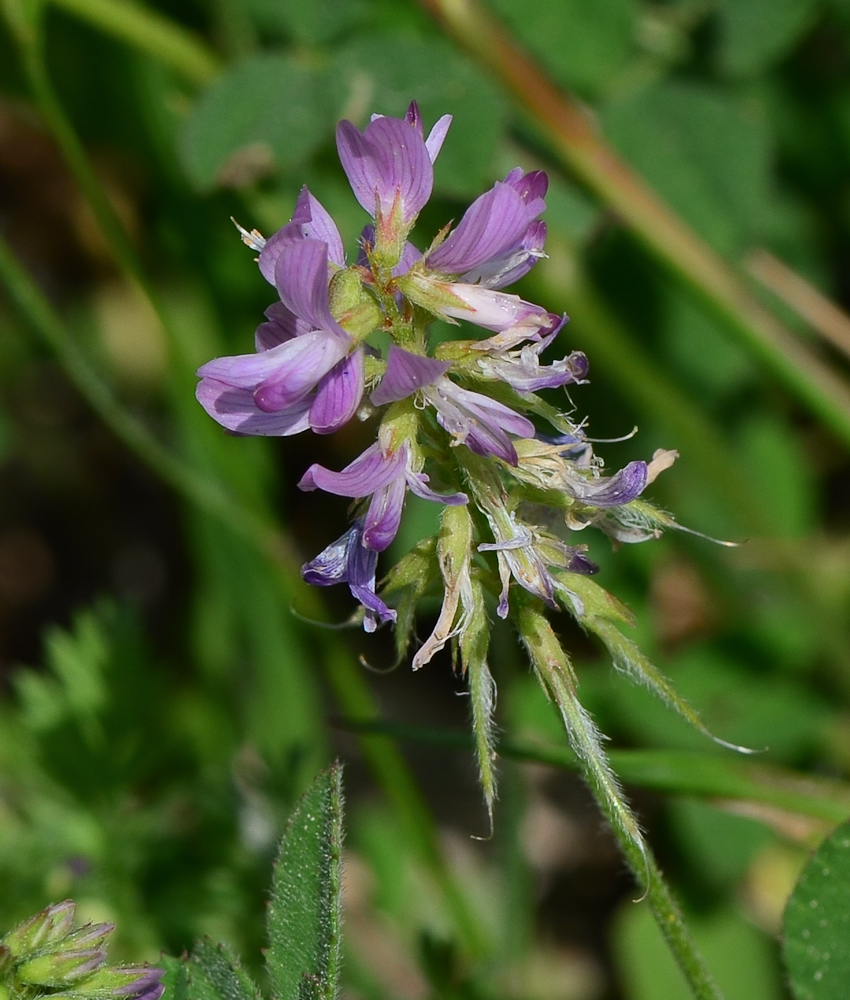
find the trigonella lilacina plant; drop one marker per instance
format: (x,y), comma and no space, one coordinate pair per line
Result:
(461,425)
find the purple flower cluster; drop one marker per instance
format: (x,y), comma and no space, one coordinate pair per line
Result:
(314,369)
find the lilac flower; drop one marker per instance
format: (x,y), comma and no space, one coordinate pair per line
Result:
(310,221)
(307,372)
(553,466)
(353,558)
(607,491)
(521,367)
(499,239)
(348,560)
(473,419)
(390,166)
(384,477)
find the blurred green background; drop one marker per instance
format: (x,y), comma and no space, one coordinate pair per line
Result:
(166,692)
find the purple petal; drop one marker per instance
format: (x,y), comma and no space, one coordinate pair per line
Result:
(481,423)
(348,561)
(282,325)
(437,136)
(417,480)
(513,264)
(493,223)
(301,363)
(235,409)
(338,394)
(368,472)
(498,311)
(522,370)
(613,491)
(388,161)
(380,526)
(145,986)
(247,371)
(531,187)
(361,581)
(413,116)
(579,563)
(405,374)
(310,220)
(301,278)
(320,226)
(331,565)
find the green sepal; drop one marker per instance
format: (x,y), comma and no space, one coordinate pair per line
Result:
(596,602)
(353,307)
(473,643)
(304,918)
(406,584)
(629,659)
(38,933)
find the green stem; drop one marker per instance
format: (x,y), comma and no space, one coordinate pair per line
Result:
(563,122)
(557,679)
(149,32)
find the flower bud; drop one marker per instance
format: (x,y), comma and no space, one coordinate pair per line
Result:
(41,930)
(353,307)
(61,968)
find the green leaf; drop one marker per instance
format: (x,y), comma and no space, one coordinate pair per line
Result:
(309,23)
(581,42)
(176,977)
(215,974)
(709,161)
(267,113)
(384,72)
(816,925)
(755,33)
(304,913)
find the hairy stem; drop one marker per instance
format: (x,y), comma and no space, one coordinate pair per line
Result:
(556,676)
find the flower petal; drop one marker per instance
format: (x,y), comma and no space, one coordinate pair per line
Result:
(388,161)
(310,220)
(301,363)
(301,278)
(405,374)
(235,409)
(493,223)
(281,325)
(368,472)
(479,422)
(611,491)
(338,394)
(417,483)
(437,136)
(382,520)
